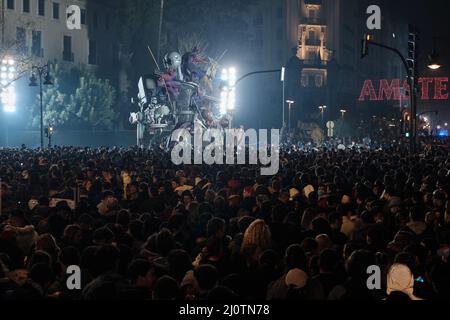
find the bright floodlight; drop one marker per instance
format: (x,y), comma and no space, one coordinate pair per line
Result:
(228,94)
(225,75)
(232,77)
(8,98)
(8,92)
(231,99)
(223,101)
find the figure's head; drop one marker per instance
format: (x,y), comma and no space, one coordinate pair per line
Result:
(172,61)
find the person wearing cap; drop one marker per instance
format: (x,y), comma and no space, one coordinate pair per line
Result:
(294,282)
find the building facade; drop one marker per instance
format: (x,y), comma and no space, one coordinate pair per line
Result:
(327,69)
(37,28)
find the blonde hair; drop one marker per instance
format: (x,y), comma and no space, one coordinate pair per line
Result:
(257,236)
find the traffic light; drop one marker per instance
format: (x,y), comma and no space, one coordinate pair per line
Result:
(365,45)
(412,51)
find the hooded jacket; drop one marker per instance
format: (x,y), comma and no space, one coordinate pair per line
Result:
(400,278)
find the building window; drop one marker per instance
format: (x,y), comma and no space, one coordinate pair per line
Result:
(56,10)
(41,7)
(26,6)
(305,80)
(83,16)
(95,20)
(10,4)
(279,34)
(36,44)
(319,80)
(311,55)
(258,19)
(92,52)
(21,38)
(280,13)
(67,49)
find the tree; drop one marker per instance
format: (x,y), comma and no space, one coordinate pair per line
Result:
(93,103)
(77,100)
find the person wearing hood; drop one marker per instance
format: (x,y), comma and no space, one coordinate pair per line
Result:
(401,279)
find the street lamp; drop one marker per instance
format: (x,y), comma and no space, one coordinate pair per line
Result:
(433,61)
(322,111)
(290,103)
(41,74)
(433,57)
(343,112)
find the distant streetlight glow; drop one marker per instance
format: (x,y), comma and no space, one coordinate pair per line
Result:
(8,92)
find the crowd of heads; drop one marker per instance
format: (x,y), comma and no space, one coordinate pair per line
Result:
(139,227)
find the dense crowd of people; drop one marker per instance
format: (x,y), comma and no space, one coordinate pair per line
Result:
(141,228)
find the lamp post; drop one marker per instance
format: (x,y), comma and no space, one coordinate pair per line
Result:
(41,74)
(411,69)
(343,112)
(322,112)
(290,103)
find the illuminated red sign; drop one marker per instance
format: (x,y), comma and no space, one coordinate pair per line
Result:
(430,89)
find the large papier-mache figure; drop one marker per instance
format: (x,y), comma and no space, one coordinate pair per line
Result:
(181,95)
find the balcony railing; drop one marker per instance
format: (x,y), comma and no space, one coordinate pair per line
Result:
(314,2)
(313,42)
(315,62)
(314,21)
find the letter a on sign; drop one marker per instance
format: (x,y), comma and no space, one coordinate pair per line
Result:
(374,280)
(73,14)
(74,280)
(374,21)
